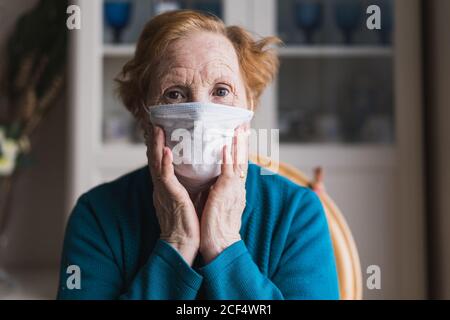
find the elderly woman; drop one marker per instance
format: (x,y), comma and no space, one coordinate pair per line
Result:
(177,230)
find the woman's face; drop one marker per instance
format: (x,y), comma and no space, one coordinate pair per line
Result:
(202,67)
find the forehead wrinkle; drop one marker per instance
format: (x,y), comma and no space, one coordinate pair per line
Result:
(209,73)
(181,51)
(214,70)
(201,60)
(177,75)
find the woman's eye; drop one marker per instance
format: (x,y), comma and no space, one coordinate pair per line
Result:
(174,95)
(222,92)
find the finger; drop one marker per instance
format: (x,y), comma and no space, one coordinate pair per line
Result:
(242,147)
(240,167)
(167,169)
(227,164)
(168,177)
(156,149)
(234,149)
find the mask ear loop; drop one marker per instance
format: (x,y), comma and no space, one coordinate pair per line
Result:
(146,108)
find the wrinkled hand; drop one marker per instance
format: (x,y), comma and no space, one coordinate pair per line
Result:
(221,218)
(175,211)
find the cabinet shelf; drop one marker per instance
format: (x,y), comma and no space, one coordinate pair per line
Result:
(119,51)
(335,51)
(127,50)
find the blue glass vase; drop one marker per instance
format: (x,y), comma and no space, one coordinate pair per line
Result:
(117,15)
(308,17)
(348,15)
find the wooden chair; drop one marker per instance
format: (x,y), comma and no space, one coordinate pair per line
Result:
(346,254)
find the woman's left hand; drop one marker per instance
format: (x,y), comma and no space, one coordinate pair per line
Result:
(221,218)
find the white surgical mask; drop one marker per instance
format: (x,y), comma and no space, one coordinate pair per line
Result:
(196,133)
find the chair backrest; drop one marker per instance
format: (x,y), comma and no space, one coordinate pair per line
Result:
(347,260)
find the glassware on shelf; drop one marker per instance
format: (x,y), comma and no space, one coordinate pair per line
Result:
(308,17)
(288,122)
(327,127)
(117,127)
(137,135)
(211,6)
(358,105)
(378,128)
(296,123)
(286,27)
(386,22)
(348,14)
(162,6)
(117,15)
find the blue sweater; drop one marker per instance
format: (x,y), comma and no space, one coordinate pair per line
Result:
(112,240)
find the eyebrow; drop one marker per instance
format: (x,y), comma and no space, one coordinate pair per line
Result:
(169,80)
(223,78)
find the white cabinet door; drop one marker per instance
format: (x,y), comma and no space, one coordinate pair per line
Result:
(372,163)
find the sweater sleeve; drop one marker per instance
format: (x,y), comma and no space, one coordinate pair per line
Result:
(306,269)
(165,275)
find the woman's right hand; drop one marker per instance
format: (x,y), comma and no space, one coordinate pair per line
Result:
(175,211)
